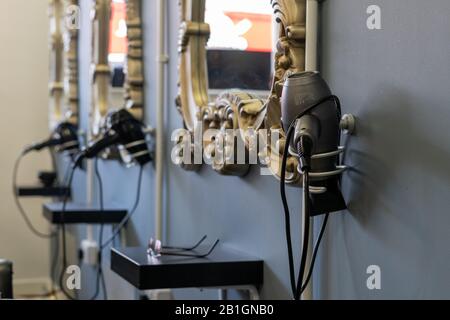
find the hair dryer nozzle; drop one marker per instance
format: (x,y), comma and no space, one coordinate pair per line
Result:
(64,138)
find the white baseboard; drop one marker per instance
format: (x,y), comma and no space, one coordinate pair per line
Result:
(32,287)
(165,294)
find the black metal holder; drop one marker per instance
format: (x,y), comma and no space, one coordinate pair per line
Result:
(48,187)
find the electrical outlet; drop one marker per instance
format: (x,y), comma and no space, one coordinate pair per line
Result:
(90,252)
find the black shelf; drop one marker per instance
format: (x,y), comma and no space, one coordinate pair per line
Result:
(223,268)
(41,191)
(82,214)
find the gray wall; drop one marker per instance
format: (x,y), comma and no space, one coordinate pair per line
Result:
(396,82)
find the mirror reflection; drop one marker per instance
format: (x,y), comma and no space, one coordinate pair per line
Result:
(117,52)
(239,51)
(71,61)
(57,59)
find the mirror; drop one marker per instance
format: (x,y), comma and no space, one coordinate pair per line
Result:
(117,52)
(240,46)
(63,84)
(117,59)
(226,45)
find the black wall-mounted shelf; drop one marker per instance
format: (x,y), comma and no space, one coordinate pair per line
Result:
(82,214)
(41,191)
(223,268)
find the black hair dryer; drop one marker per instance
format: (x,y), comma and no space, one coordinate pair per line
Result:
(64,139)
(321,126)
(121,129)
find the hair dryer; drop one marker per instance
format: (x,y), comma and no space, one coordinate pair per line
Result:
(316,139)
(64,138)
(121,129)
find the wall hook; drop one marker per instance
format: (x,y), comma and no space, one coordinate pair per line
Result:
(348,124)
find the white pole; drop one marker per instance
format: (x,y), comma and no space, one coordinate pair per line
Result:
(90,195)
(312,26)
(312,16)
(162,61)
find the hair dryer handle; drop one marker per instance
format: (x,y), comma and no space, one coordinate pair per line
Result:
(42,145)
(97,147)
(100,145)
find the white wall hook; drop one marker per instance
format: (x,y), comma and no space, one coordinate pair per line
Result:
(348,124)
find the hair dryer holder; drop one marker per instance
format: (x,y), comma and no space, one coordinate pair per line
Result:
(325,193)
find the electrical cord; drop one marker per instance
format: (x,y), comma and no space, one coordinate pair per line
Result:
(57,241)
(290,132)
(102,208)
(304,151)
(316,250)
(63,236)
(128,217)
(69,178)
(324,224)
(53,159)
(102,246)
(39,234)
(306,223)
(64,246)
(287,215)
(105,292)
(19,205)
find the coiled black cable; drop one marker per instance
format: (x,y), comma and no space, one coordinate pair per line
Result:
(130,215)
(100,272)
(64,246)
(316,250)
(296,286)
(19,204)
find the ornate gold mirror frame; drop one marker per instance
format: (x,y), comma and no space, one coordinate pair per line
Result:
(134,82)
(63,84)
(237,110)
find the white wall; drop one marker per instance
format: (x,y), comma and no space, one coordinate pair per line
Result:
(23,119)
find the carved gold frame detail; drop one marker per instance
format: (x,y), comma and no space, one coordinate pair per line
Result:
(238,110)
(63,86)
(134,82)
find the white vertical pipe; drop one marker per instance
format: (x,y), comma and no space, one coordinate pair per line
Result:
(89,163)
(275,37)
(160,78)
(312,26)
(89,193)
(89,184)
